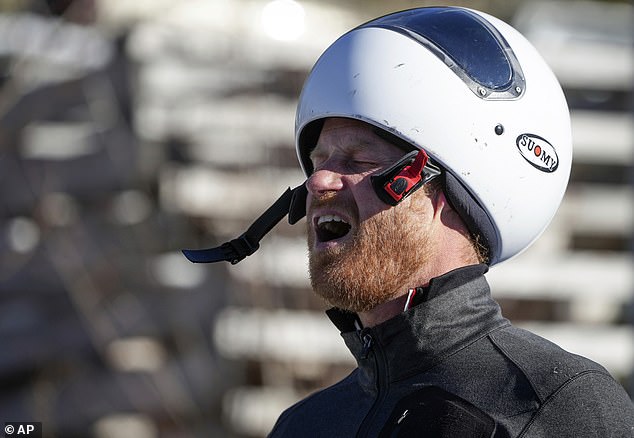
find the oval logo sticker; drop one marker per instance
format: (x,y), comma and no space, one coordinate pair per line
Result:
(538,152)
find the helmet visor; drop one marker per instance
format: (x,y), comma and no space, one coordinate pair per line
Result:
(464,41)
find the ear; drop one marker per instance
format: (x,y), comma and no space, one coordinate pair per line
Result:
(440,203)
(445,212)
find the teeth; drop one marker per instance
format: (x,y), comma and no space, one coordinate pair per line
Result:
(329,218)
(331,227)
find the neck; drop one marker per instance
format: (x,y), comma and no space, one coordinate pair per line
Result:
(383,312)
(395,306)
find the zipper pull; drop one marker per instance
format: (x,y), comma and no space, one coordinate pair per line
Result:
(367,345)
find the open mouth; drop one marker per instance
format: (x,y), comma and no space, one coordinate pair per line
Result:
(331,227)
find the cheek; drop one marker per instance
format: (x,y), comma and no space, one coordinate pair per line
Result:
(413,213)
(419,204)
(367,200)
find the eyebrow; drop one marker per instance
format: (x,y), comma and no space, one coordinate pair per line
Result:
(359,146)
(363,145)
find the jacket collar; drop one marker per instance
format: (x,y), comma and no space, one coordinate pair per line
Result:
(456,310)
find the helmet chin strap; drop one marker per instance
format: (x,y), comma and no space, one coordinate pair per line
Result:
(391,186)
(291,203)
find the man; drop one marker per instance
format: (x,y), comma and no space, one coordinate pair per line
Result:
(436,143)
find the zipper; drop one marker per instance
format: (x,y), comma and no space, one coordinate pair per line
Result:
(369,346)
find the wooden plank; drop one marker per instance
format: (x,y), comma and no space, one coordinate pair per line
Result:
(203,191)
(598,209)
(566,276)
(602,137)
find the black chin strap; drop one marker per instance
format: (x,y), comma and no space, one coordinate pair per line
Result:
(291,203)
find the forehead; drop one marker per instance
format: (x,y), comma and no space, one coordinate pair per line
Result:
(340,134)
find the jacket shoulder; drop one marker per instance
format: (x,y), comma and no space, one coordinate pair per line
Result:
(546,365)
(578,397)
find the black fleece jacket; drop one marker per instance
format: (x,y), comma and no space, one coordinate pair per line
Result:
(453,366)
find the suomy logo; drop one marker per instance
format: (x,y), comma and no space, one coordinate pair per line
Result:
(538,152)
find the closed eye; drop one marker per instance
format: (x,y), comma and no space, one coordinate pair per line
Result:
(363,165)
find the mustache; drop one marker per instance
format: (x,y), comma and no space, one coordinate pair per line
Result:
(335,201)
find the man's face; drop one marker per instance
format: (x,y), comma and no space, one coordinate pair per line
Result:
(362,252)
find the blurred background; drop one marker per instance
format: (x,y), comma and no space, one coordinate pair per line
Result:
(132,129)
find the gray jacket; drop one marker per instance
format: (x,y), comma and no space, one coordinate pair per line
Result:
(452,366)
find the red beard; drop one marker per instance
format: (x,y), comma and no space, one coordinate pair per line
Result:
(375,263)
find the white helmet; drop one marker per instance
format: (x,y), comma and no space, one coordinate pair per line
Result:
(469,90)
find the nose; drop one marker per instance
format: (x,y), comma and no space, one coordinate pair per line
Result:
(324,180)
